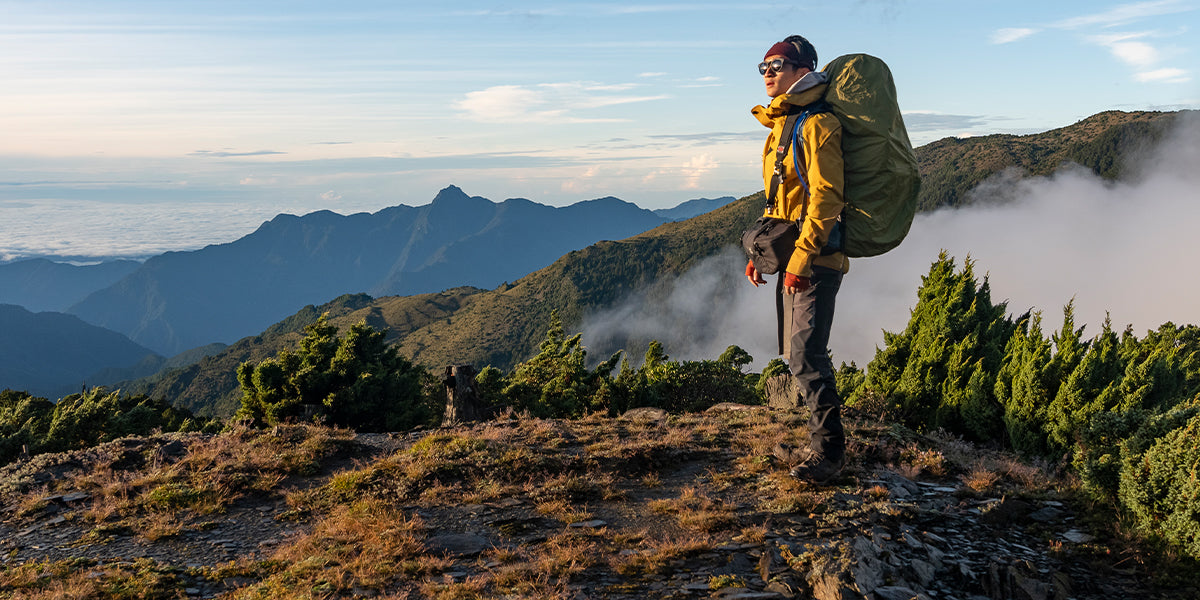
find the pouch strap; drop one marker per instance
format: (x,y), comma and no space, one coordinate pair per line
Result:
(779,308)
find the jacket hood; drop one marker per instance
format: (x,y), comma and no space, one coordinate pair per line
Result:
(807,90)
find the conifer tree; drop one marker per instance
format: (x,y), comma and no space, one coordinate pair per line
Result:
(940,372)
(736,357)
(98,415)
(1089,388)
(556,382)
(1162,369)
(1069,348)
(1025,385)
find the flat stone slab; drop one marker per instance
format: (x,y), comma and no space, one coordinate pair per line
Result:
(457,544)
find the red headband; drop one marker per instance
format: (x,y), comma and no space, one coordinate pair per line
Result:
(785,49)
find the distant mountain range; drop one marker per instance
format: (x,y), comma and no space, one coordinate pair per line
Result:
(53,354)
(180,300)
(693,208)
(41,285)
(185,304)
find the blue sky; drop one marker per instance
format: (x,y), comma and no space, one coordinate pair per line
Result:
(132,127)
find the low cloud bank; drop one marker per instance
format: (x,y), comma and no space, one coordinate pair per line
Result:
(104,230)
(1129,250)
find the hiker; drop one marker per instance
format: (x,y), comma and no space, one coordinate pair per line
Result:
(813,200)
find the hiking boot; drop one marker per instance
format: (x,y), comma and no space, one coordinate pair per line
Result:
(819,469)
(792,455)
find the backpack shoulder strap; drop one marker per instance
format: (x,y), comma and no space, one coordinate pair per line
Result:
(781,148)
(798,137)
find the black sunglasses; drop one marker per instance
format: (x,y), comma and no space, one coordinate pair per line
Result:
(774,66)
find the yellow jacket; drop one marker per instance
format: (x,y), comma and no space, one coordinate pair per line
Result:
(816,214)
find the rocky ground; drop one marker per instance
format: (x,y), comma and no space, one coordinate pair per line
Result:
(647,506)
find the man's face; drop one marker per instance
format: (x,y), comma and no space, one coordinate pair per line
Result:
(779,82)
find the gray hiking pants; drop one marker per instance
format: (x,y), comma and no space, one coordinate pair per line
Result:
(811,317)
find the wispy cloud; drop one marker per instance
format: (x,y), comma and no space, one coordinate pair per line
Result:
(226,154)
(1169,75)
(703,82)
(259,181)
(1011,34)
(507,103)
(690,172)
(1129,48)
(636,9)
(933,121)
(548,102)
(1126,13)
(696,168)
(710,137)
(521,13)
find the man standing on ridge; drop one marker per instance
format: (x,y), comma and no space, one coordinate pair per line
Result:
(807,189)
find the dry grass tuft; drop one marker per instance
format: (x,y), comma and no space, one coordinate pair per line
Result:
(659,556)
(695,511)
(367,544)
(1029,477)
(779,492)
(755,534)
(916,461)
(980,478)
(877,492)
(563,511)
(84,580)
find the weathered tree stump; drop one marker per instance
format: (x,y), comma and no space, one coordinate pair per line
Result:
(463,404)
(782,392)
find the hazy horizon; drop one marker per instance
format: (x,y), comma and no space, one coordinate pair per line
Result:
(101,233)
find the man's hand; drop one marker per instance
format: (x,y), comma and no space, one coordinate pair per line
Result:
(794,284)
(753,275)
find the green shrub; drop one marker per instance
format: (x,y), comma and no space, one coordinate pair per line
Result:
(36,425)
(686,386)
(355,381)
(850,380)
(1160,486)
(1097,456)
(24,423)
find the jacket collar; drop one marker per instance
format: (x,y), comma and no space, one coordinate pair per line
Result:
(807,90)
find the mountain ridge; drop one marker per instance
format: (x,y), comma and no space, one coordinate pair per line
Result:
(82,352)
(179,300)
(43,285)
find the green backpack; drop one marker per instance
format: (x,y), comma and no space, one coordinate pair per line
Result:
(881,172)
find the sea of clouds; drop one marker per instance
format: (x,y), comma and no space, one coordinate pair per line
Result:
(1128,250)
(87,231)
